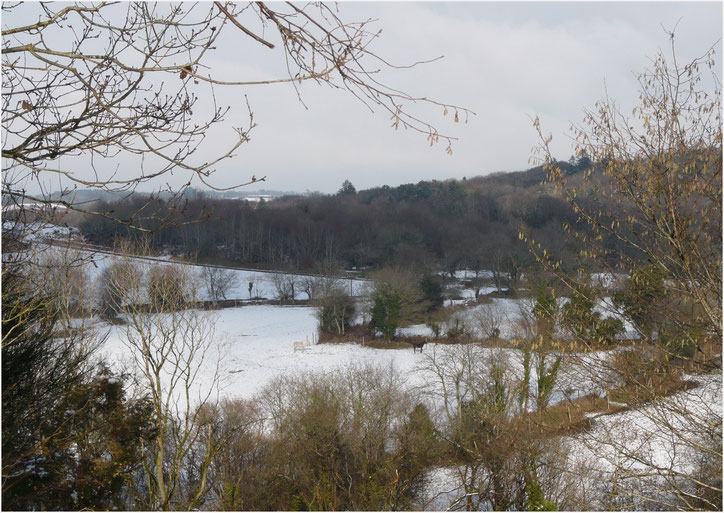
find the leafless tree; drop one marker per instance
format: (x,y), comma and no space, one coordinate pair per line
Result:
(336,308)
(488,319)
(459,326)
(284,286)
(661,167)
(86,84)
(61,272)
(500,459)
(170,348)
(321,285)
(218,282)
(346,440)
(497,270)
(112,293)
(312,286)
(170,287)
(238,467)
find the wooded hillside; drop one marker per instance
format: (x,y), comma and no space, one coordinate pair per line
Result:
(473,223)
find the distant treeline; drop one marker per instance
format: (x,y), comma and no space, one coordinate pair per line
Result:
(449,225)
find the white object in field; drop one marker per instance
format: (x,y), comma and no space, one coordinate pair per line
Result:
(300,345)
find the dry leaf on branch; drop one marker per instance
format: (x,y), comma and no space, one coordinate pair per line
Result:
(185,71)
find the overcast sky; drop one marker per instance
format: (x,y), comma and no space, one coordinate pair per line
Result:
(508,62)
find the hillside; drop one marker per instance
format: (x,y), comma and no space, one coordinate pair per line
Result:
(471,223)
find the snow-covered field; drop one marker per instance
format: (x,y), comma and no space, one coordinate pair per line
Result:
(256,344)
(38,232)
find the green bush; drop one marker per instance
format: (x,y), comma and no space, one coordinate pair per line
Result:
(386,312)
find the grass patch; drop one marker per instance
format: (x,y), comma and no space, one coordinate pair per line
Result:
(646,373)
(359,334)
(380,343)
(566,418)
(639,394)
(356,334)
